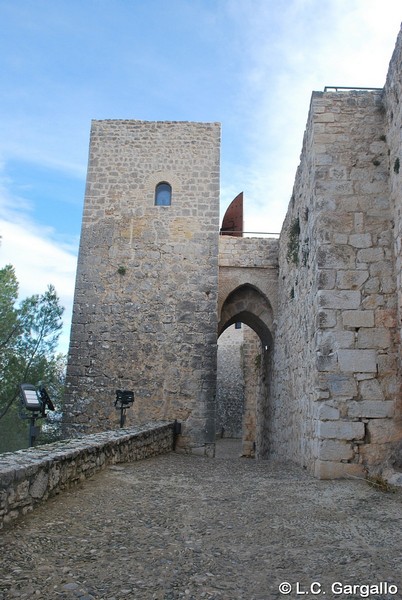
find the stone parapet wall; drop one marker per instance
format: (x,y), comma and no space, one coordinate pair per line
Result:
(30,477)
(248,252)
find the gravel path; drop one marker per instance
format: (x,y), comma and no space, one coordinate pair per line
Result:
(181,526)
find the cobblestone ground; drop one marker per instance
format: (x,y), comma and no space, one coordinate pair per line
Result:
(181,526)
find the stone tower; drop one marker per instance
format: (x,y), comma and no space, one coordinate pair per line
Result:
(147,278)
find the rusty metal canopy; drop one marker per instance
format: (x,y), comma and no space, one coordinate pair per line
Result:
(232,223)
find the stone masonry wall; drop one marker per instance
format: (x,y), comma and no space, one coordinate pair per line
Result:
(293,366)
(253,392)
(336,342)
(252,261)
(29,477)
(145,308)
(393,117)
(230,383)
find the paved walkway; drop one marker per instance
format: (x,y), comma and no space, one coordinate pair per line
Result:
(183,526)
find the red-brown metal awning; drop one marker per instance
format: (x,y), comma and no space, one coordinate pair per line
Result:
(232,223)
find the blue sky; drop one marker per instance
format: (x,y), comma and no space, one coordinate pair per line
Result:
(250,64)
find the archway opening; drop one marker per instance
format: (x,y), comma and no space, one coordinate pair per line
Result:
(244,370)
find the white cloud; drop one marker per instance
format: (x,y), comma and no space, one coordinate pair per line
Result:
(293,50)
(39,261)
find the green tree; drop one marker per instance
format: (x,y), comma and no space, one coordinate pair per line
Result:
(28,339)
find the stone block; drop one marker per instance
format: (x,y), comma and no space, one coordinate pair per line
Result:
(370,255)
(351,279)
(373,301)
(342,385)
(357,361)
(339,299)
(374,454)
(39,486)
(371,409)
(383,431)
(326,279)
(328,362)
(373,338)
(336,256)
(325,117)
(370,389)
(358,318)
(340,238)
(325,412)
(360,240)
(335,450)
(325,319)
(324,469)
(329,341)
(340,430)
(387,364)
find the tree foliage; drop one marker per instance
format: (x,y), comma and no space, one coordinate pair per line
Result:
(28,339)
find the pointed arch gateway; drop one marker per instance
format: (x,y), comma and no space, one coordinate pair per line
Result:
(248,305)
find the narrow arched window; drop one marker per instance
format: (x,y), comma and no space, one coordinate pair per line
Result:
(163,194)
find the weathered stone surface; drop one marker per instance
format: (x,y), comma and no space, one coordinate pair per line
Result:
(384,431)
(340,430)
(337,470)
(355,361)
(325,319)
(371,390)
(358,318)
(371,409)
(325,412)
(360,240)
(341,299)
(351,280)
(335,450)
(39,486)
(374,338)
(342,385)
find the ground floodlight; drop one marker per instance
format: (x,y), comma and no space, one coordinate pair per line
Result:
(29,397)
(124,399)
(34,400)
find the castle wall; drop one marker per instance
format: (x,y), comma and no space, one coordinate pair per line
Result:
(325,300)
(145,308)
(335,380)
(393,117)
